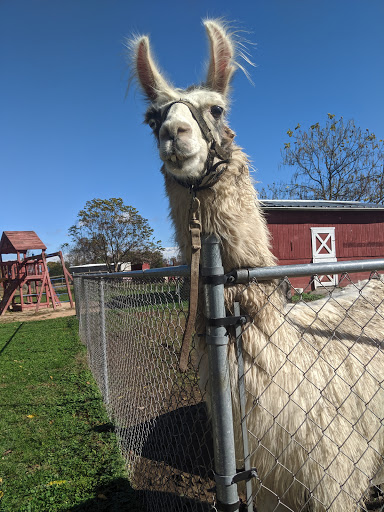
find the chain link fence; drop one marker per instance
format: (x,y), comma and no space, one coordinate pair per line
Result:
(133,328)
(313,395)
(296,399)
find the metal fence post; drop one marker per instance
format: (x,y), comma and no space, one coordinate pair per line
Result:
(78,283)
(83,312)
(88,304)
(242,396)
(219,378)
(104,342)
(76,287)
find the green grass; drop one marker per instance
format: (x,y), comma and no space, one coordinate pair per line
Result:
(57,450)
(306,297)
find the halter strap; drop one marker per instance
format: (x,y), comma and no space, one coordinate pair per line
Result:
(195,233)
(211,175)
(215,150)
(205,130)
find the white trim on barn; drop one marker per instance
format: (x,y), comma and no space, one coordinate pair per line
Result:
(324,251)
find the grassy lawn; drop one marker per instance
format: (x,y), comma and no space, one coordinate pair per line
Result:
(306,297)
(57,450)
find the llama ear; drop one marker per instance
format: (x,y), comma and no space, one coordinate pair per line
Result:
(149,76)
(221,65)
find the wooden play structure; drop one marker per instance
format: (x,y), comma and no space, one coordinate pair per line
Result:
(26,279)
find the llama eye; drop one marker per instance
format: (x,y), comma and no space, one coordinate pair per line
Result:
(216,111)
(152,124)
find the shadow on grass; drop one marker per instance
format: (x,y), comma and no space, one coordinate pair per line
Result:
(120,497)
(117,496)
(173,468)
(168,502)
(105,427)
(182,439)
(11,338)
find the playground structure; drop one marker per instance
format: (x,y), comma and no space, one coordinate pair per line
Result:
(28,275)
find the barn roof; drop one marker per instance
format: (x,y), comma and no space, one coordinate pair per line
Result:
(20,241)
(318,205)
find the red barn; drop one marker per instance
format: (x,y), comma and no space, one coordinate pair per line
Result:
(320,231)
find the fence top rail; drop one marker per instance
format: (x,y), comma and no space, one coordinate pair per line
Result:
(180,270)
(242,276)
(245,275)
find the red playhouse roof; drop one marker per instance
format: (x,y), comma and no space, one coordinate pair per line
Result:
(13,242)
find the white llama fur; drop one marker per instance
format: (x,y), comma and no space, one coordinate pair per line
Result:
(315,401)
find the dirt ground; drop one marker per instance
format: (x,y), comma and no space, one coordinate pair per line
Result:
(43,314)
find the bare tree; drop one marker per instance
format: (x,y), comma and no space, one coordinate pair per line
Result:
(338,161)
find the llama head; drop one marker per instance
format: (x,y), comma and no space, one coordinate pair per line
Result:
(189,123)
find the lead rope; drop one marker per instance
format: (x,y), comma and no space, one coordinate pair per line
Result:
(195,231)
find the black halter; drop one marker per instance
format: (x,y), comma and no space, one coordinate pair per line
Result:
(210,170)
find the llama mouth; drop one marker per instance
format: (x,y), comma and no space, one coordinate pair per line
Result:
(174,161)
(177,160)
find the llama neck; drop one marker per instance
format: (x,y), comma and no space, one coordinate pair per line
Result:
(230,210)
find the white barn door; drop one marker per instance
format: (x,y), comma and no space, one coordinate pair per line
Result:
(324,251)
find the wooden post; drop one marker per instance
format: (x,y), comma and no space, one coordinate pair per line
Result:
(41,294)
(30,298)
(48,280)
(21,266)
(67,276)
(8,297)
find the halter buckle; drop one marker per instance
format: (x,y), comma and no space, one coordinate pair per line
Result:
(195,224)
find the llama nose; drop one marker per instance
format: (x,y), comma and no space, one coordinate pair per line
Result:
(174,130)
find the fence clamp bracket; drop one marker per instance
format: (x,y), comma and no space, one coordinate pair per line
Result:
(227,321)
(216,279)
(227,480)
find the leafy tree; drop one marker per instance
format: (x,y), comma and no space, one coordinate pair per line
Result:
(108,231)
(55,268)
(154,258)
(338,161)
(83,251)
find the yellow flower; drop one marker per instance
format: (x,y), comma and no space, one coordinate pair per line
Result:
(290,133)
(57,482)
(331,116)
(30,416)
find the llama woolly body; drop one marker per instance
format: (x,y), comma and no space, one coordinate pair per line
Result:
(313,376)
(308,375)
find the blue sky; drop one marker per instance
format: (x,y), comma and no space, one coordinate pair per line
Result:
(70,133)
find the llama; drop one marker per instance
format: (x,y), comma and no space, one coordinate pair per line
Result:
(315,401)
